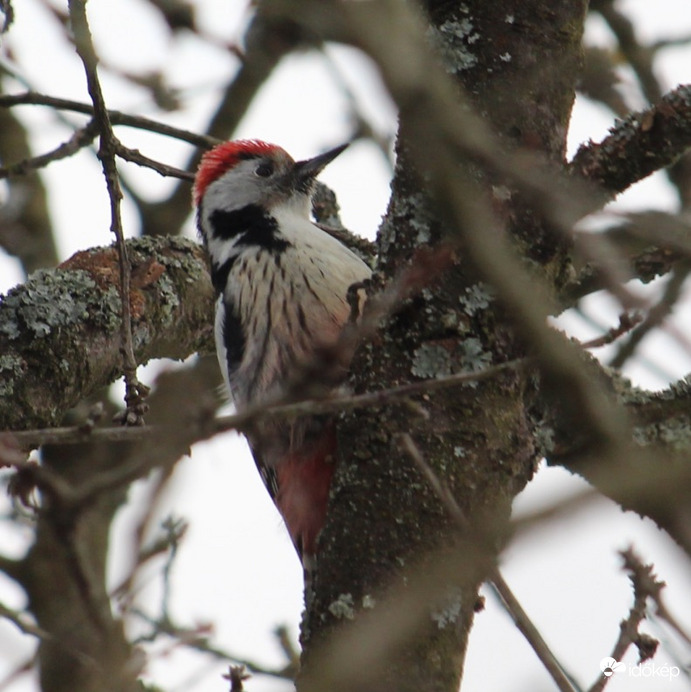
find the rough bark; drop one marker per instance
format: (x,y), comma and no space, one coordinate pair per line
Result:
(63,326)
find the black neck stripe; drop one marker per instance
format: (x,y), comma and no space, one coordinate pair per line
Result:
(252,226)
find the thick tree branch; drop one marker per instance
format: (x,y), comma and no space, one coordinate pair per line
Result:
(640,57)
(646,141)
(59,332)
(642,246)
(654,478)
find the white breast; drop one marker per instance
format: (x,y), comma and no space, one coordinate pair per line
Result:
(288,305)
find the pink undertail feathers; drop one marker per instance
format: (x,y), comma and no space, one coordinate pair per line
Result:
(304,480)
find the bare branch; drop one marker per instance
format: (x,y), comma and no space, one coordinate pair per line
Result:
(136,392)
(647,141)
(116,117)
(197,639)
(274,409)
(237,676)
(17,672)
(600,79)
(653,476)
(644,245)
(645,586)
(22,624)
(655,317)
(8,12)
(638,56)
(627,321)
(174,531)
(80,139)
(163,169)
(266,43)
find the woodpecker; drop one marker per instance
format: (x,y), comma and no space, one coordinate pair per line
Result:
(282,284)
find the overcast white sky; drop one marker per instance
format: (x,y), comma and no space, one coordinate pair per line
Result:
(237,567)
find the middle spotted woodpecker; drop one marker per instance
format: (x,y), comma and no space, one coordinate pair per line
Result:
(282,284)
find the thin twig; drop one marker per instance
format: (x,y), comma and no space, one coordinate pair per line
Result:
(163,169)
(24,626)
(645,586)
(495,578)
(562,510)
(79,139)
(638,56)
(18,671)
(116,117)
(678,42)
(237,676)
(278,408)
(627,321)
(196,638)
(288,647)
(530,631)
(136,392)
(175,530)
(655,317)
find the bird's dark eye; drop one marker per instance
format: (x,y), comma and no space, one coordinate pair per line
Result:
(264,170)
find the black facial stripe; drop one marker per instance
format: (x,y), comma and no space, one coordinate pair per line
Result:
(233,336)
(228,224)
(254,226)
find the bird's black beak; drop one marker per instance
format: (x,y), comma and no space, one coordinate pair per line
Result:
(308,170)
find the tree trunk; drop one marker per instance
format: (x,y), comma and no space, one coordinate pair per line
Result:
(386,529)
